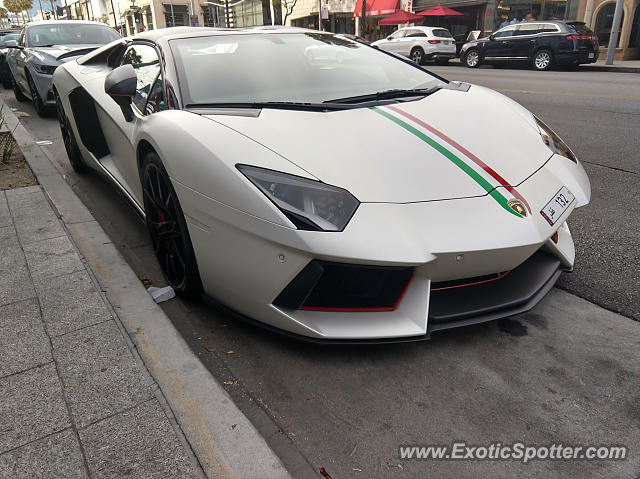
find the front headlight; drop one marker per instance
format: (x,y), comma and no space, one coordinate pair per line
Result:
(46,69)
(554,142)
(309,204)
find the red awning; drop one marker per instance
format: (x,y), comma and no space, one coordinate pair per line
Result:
(400,18)
(377,7)
(439,11)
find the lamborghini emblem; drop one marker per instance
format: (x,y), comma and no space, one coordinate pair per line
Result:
(518,207)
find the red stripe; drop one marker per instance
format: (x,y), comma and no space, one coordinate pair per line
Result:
(391,308)
(472,284)
(462,149)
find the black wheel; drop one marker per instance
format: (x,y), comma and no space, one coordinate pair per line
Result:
(41,108)
(168,229)
(6,81)
(69,139)
(417,55)
(472,58)
(442,61)
(542,60)
(16,90)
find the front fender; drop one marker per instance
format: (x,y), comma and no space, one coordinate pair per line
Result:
(200,154)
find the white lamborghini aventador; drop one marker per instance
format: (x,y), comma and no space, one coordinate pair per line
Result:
(322,187)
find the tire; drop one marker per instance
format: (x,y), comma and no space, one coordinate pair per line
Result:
(542,60)
(442,61)
(472,58)
(69,139)
(417,55)
(16,90)
(6,81)
(168,229)
(38,104)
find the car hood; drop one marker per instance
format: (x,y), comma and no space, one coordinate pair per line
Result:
(381,155)
(51,55)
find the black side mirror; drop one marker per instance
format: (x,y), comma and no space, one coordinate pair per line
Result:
(492,37)
(121,85)
(11,44)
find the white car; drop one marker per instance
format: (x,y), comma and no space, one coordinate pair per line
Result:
(420,44)
(337,200)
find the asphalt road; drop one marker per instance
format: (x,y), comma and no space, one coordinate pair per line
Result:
(565,372)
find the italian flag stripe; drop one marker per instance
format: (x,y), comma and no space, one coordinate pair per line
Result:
(469,170)
(494,174)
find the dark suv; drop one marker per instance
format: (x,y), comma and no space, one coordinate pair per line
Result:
(542,44)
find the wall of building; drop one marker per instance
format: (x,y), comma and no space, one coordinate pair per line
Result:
(594,12)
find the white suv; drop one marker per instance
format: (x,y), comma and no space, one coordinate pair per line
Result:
(420,44)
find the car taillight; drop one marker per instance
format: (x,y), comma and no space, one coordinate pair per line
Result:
(434,41)
(592,38)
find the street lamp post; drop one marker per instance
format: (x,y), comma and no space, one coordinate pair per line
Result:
(615,32)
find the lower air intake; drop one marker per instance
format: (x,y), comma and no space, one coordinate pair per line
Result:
(328,286)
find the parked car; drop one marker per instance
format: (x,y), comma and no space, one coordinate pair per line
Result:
(420,44)
(42,47)
(5,35)
(542,44)
(356,198)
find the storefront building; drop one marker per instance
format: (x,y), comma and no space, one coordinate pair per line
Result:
(598,14)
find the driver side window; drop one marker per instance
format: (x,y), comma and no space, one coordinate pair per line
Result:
(145,61)
(507,32)
(396,35)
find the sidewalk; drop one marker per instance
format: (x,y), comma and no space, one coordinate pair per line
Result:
(95,381)
(74,401)
(626,66)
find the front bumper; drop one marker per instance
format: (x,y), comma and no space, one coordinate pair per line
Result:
(438,240)
(44,85)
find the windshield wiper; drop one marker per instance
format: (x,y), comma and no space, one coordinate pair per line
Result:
(284,105)
(386,95)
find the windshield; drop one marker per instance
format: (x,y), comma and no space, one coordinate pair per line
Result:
(442,33)
(287,67)
(9,36)
(579,28)
(69,34)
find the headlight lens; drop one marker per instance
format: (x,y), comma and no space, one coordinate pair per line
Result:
(46,69)
(554,142)
(309,204)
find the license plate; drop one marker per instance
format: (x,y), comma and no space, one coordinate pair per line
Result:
(558,205)
(591,55)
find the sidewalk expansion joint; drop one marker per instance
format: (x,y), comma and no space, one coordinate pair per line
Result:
(34,440)
(28,369)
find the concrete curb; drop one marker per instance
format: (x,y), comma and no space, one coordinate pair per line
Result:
(610,68)
(224,441)
(456,62)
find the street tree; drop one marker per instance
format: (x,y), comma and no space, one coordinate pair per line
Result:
(282,5)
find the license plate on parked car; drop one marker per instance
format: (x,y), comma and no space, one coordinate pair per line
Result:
(591,55)
(558,205)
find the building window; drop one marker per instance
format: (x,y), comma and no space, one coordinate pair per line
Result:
(176,15)
(604,22)
(213,16)
(246,14)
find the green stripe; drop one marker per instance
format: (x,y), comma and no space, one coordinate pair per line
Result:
(488,187)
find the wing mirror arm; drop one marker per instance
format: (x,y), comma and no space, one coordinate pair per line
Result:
(120,85)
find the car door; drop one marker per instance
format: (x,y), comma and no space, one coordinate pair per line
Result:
(524,41)
(19,60)
(413,37)
(119,133)
(394,41)
(499,45)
